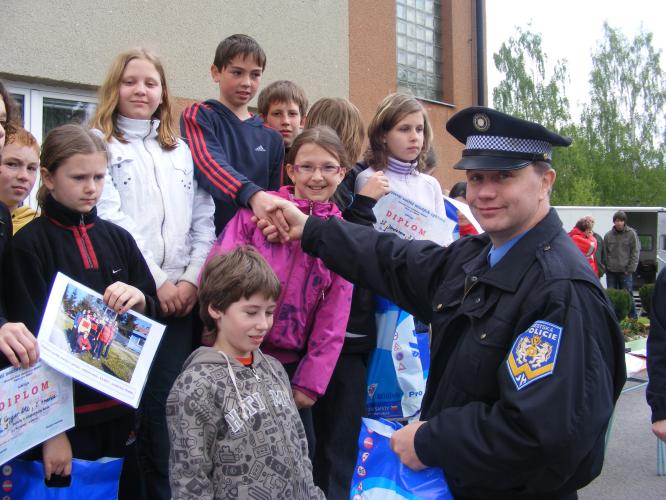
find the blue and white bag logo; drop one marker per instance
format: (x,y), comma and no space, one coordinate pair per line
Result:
(534,353)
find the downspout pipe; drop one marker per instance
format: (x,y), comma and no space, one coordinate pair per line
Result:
(480,53)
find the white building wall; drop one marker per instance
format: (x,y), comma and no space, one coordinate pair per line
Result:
(72,42)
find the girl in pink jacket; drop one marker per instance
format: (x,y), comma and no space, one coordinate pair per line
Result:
(313,307)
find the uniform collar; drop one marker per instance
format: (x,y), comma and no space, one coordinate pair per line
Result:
(508,272)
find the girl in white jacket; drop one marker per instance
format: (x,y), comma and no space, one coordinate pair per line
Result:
(150,191)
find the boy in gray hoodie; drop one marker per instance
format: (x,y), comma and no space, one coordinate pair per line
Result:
(235,430)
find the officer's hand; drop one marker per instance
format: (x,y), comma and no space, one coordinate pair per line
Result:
(659,429)
(402,444)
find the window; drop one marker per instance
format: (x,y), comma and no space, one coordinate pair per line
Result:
(42,108)
(419,51)
(646,242)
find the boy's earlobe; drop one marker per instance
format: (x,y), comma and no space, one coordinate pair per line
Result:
(215,73)
(214,313)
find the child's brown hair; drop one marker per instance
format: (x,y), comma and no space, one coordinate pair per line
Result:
(109,94)
(391,110)
(325,138)
(344,118)
(62,143)
(239,45)
(236,275)
(282,91)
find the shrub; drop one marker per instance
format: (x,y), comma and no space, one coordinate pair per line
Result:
(633,329)
(646,292)
(621,301)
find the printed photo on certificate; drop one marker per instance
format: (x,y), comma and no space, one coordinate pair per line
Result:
(83,338)
(35,404)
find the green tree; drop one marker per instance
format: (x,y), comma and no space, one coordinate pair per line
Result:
(528,90)
(627,109)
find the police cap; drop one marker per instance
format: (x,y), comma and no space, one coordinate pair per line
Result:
(496,141)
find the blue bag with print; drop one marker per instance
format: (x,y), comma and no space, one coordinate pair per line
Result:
(98,480)
(398,366)
(379,474)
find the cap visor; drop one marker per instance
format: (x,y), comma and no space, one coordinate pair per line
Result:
(490,163)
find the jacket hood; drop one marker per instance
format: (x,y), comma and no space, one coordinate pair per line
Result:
(209,355)
(577,232)
(318,208)
(22,215)
(254,119)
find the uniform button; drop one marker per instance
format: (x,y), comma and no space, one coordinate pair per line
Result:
(440,307)
(483,336)
(477,300)
(474,279)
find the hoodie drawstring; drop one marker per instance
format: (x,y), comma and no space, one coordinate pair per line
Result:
(233,381)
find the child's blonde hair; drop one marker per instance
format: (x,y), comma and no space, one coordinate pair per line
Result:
(107,109)
(391,110)
(236,275)
(344,118)
(62,143)
(282,91)
(325,138)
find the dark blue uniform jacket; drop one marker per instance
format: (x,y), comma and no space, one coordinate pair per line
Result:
(493,440)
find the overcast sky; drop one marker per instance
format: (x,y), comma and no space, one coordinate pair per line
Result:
(570,30)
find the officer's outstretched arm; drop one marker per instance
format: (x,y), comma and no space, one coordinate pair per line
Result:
(406,272)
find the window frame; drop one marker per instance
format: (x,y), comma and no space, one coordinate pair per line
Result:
(33,111)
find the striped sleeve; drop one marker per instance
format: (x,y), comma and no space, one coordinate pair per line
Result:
(214,173)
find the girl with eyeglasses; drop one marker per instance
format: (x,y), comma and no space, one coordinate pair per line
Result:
(313,307)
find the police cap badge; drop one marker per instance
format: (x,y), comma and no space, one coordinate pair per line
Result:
(496,141)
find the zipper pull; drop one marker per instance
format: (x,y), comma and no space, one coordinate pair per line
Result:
(255,374)
(311,206)
(82,221)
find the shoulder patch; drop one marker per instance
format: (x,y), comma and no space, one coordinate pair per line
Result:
(534,353)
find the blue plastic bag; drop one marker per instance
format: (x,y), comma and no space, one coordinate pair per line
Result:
(98,480)
(398,367)
(379,474)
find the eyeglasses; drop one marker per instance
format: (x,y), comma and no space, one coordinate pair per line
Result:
(325,170)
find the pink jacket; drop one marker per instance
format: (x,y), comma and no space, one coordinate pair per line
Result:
(313,307)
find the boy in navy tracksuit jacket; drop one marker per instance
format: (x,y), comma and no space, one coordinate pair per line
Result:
(235,155)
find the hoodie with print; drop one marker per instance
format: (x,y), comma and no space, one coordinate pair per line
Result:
(235,431)
(313,308)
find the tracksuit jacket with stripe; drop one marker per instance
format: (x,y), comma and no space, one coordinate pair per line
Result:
(88,249)
(233,158)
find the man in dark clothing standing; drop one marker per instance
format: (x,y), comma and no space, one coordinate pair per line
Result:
(621,250)
(527,357)
(656,362)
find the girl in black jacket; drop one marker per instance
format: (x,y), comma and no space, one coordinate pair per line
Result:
(70,238)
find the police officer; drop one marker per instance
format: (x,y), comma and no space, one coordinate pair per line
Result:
(527,359)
